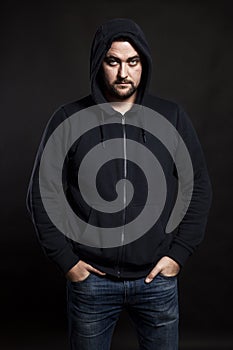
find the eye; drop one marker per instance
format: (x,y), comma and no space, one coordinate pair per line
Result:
(134,61)
(111,61)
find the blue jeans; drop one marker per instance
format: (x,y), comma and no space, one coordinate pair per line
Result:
(94,306)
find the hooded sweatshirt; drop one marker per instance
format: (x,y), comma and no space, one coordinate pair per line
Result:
(136,258)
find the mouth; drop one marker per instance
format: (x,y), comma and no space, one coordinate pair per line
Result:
(123,83)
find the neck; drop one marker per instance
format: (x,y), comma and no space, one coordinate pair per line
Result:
(119,105)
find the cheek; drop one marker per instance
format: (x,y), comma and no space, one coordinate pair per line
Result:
(109,75)
(137,74)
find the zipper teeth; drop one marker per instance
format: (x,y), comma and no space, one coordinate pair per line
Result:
(124,140)
(124,192)
(125,175)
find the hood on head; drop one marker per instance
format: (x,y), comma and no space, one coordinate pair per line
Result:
(105,35)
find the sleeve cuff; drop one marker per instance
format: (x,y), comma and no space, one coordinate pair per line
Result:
(178,253)
(66,260)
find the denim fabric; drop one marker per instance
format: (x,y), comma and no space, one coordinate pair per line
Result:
(94,306)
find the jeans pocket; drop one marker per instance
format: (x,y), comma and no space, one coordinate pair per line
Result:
(167,277)
(81,281)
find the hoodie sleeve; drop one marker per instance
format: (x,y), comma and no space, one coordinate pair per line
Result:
(55,245)
(192,228)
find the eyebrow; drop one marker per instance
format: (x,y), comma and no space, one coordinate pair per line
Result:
(118,59)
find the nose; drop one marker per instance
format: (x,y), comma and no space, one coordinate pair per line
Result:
(122,72)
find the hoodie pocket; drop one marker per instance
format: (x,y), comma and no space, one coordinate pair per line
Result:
(96,254)
(143,251)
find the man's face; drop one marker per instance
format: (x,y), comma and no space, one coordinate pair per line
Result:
(122,70)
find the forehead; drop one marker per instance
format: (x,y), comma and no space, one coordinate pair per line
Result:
(122,49)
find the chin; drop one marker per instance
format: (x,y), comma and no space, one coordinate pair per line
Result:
(124,94)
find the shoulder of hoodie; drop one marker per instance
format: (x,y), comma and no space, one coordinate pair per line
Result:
(168,109)
(175,114)
(66,110)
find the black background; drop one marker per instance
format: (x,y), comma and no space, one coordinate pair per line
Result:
(45,63)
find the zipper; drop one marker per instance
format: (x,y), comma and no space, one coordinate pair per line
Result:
(124,195)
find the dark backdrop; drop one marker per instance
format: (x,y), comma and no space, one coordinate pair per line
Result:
(45,63)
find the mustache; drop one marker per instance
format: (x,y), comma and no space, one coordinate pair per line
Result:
(125,81)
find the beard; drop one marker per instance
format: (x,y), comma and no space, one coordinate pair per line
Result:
(121,92)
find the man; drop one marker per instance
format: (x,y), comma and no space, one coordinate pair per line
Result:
(139,275)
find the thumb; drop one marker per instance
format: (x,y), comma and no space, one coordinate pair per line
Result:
(156,270)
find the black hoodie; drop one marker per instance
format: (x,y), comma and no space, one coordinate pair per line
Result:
(136,258)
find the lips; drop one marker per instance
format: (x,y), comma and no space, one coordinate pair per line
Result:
(123,83)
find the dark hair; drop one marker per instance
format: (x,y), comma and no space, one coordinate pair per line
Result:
(121,38)
(125,38)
